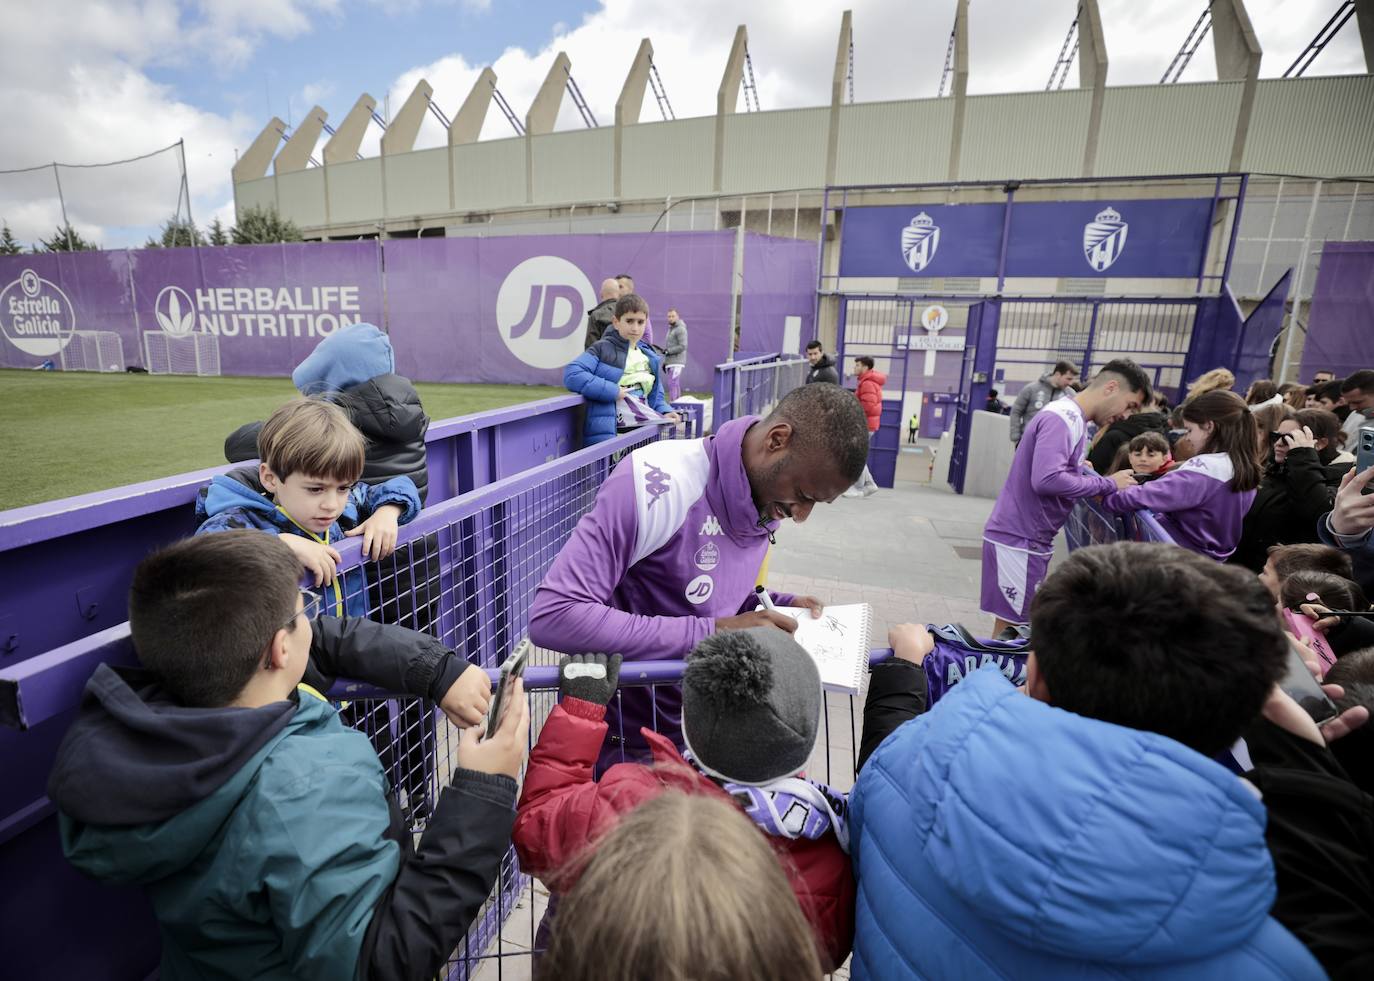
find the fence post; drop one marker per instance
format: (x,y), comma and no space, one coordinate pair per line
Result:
(1303,254)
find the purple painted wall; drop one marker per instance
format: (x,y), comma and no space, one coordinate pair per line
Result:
(779,282)
(1339,334)
(508,309)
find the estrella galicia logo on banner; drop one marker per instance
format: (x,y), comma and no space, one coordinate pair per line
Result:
(36,316)
(1104,239)
(176,314)
(920,239)
(541,308)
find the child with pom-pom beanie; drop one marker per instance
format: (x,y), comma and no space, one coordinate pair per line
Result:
(751,706)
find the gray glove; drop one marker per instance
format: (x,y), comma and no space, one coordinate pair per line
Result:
(590,677)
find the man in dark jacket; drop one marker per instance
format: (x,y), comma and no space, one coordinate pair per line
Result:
(1054,384)
(600,316)
(822,365)
(1120,433)
(221,781)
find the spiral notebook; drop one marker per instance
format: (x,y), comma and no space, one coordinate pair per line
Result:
(837,642)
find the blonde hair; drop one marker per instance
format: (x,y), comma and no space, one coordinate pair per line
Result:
(1214,380)
(313,437)
(685,887)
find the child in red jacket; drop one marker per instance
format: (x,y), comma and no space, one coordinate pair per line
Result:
(751,704)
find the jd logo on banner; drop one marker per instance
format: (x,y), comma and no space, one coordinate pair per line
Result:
(540,311)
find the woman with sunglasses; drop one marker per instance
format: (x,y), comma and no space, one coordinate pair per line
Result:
(1304,468)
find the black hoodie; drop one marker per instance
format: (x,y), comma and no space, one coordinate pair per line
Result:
(823,371)
(387,410)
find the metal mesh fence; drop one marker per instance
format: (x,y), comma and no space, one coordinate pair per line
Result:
(467,571)
(1089,524)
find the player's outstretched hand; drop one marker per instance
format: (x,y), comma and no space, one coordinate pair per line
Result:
(757,618)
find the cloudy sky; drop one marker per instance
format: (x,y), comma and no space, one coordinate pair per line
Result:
(98,80)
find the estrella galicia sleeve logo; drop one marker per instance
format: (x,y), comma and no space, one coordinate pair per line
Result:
(540,311)
(920,239)
(1104,239)
(36,316)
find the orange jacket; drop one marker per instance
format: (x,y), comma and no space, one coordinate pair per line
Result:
(870,393)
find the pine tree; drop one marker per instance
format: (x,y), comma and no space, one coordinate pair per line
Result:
(176,233)
(66,239)
(258,226)
(219,235)
(9,245)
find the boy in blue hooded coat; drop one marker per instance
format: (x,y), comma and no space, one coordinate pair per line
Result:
(615,366)
(312,457)
(263,831)
(1084,831)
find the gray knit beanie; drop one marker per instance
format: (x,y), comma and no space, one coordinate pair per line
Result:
(751,705)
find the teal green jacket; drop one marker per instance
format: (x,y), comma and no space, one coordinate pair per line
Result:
(275,874)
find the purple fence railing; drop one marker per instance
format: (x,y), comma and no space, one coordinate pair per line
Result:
(1089,524)
(466,570)
(754,385)
(65,565)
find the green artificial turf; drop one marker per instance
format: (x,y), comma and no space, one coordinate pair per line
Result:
(72,433)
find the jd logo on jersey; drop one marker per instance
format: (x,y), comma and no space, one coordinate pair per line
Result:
(699,590)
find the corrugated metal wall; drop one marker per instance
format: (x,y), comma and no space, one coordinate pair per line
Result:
(1168,129)
(355,190)
(1027,135)
(573,166)
(775,150)
(1306,126)
(416,183)
(894,142)
(1313,126)
(490,174)
(671,158)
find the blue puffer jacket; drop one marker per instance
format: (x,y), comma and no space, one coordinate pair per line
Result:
(595,375)
(999,837)
(237,500)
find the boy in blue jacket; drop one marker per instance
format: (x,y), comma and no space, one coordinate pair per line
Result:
(1084,831)
(616,366)
(220,781)
(312,457)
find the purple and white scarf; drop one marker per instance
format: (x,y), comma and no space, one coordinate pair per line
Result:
(795,807)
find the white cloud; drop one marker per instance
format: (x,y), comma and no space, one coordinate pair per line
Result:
(75,76)
(77,89)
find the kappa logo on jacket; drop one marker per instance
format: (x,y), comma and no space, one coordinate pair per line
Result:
(655,483)
(711,526)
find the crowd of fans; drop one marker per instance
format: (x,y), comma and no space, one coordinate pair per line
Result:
(1137,785)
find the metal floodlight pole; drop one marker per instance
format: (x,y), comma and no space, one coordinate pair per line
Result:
(1067,53)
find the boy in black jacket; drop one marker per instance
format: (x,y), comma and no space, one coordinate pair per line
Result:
(263,831)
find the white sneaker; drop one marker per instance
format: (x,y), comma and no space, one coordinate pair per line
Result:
(853,492)
(870,490)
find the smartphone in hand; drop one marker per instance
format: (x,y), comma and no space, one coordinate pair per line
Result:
(1364,453)
(1299,685)
(513,667)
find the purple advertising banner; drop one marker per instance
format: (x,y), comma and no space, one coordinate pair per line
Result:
(514,308)
(506,309)
(267,306)
(922,240)
(778,298)
(1339,337)
(1139,238)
